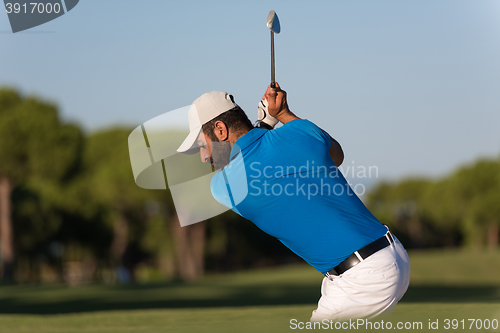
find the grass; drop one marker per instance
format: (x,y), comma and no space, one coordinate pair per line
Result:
(445,284)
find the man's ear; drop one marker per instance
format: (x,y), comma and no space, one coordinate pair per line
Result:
(221,131)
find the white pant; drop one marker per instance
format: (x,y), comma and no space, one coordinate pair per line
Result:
(371,288)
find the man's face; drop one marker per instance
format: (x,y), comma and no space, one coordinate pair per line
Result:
(218,153)
(204,143)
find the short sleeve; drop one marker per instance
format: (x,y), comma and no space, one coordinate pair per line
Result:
(300,127)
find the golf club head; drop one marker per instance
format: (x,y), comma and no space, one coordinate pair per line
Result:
(273,22)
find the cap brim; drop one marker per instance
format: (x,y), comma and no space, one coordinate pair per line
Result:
(189,145)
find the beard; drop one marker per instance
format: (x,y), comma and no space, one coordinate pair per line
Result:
(221,153)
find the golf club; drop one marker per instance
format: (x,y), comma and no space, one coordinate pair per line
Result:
(273,23)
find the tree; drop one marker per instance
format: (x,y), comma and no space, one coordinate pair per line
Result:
(181,253)
(476,191)
(459,208)
(110,183)
(9,99)
(399,205)
(36,152)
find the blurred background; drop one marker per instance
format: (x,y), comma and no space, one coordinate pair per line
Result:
(71,212)
(411,88)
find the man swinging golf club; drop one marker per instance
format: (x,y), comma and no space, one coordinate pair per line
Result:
(296,193)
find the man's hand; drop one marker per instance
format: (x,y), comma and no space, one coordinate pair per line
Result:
(264,117)
(277,104)
(278,108)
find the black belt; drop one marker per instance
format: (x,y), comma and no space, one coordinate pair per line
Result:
(362,253)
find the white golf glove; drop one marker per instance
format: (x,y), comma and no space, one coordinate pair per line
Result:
(263,115)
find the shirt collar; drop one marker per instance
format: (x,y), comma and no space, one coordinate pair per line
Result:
(246,140)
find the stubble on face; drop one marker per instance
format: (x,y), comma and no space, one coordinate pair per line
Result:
(221,153)
(217,152)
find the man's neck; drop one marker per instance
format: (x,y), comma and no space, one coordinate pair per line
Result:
(233,137)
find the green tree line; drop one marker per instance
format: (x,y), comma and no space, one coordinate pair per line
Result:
(71,212)
(459,209)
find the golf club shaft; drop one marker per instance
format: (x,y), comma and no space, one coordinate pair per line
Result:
(272,60)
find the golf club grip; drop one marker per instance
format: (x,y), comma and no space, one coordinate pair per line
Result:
(273,85)
(265,126)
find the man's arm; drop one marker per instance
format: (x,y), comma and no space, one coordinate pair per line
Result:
(336,152)
(278,108)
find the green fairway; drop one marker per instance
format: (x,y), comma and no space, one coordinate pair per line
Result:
(445,284)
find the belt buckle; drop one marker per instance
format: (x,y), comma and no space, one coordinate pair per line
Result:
(333,273)
(389,237)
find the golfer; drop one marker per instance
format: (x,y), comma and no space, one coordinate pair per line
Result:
(294,191)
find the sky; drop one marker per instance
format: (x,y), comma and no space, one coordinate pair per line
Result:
(409,88)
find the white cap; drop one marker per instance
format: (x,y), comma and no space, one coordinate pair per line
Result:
(205,108)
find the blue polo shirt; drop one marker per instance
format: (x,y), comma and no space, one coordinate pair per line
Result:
(285,182)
